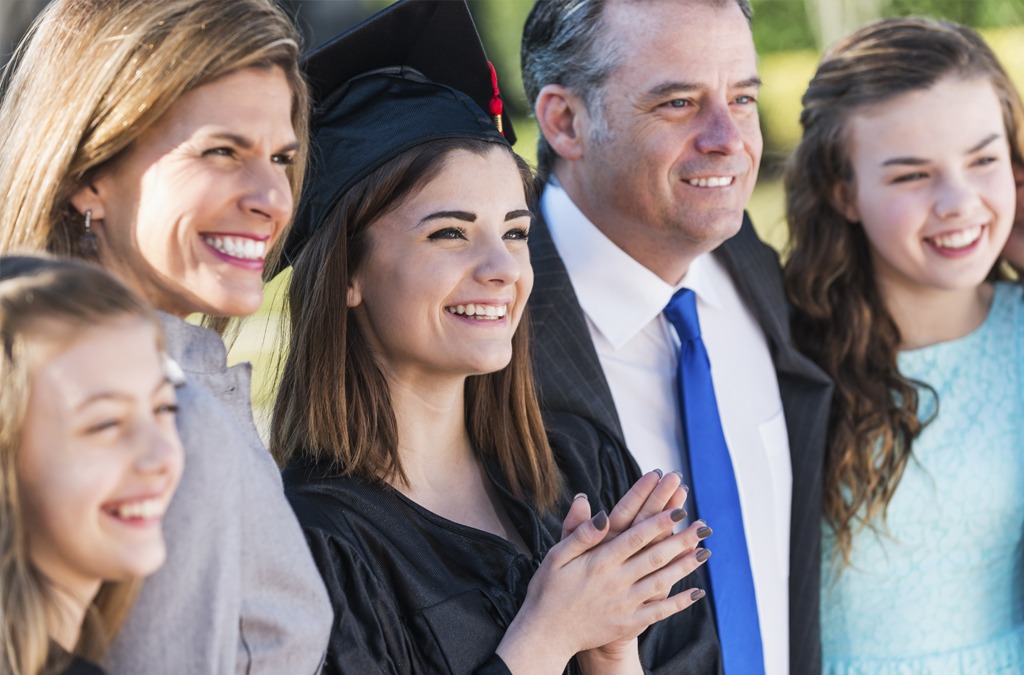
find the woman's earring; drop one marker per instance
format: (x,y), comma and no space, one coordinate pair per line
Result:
(88,243)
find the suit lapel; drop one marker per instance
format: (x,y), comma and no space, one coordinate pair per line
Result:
(806,394)
(567,368)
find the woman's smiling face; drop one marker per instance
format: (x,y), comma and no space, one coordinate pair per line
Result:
(447,273)
(188,213)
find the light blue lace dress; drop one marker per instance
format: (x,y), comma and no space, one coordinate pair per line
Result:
(941,590)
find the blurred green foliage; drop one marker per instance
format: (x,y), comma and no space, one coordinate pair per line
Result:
(787,73)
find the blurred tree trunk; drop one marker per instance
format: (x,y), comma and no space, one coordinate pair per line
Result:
(832,19)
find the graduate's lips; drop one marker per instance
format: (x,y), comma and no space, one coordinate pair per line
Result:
(479,310)
(241,249)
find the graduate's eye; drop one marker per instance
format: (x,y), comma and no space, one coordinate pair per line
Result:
(447,233)
(522,233)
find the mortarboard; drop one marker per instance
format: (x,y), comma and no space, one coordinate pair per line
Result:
(414,72)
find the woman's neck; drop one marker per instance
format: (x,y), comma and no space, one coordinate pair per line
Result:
(433,442)
(444,474)
(928,317)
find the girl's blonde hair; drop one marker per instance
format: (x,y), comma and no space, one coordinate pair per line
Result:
(50,299)
(92,75)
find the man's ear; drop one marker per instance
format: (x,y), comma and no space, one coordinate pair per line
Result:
(844,201)
(87,198)
(562,118)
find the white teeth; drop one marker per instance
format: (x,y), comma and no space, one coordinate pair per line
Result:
(145,509)
(713,181)
(237,247)
(958,239)
(479,311)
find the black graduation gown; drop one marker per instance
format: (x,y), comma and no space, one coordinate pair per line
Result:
(413,592)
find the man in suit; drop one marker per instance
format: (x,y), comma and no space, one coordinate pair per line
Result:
(649,151)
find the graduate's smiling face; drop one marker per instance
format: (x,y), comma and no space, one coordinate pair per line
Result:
(447,273)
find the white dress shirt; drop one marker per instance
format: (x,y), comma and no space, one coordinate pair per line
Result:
(638,349)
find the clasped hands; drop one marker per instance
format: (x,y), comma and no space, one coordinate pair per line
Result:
(607,581)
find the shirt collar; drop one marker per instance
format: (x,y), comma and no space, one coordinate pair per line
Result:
(618,294)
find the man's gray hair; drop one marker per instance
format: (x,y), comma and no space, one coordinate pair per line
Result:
(564,44)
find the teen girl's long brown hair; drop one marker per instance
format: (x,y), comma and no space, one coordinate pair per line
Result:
(841,320)
(333,404)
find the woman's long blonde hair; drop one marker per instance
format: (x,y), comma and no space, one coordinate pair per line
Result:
(50,299)
(841,319)
(92,75)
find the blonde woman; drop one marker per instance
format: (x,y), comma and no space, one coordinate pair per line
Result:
(166,141)
(89,459)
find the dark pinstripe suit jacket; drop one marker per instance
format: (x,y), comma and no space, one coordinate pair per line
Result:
(587,436)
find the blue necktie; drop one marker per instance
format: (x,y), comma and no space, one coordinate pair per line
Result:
(716,496)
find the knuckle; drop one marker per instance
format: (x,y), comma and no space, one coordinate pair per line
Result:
(635,539)
(657,559)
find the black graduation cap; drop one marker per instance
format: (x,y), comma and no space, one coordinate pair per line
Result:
(414,72)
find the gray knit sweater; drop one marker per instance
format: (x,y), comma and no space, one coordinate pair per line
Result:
(239,592)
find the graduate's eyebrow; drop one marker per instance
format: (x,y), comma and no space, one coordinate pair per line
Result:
(520,213)
(445,215)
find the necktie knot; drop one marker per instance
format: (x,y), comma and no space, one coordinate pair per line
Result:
(681,312)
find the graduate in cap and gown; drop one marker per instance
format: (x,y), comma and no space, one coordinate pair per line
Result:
(406,419)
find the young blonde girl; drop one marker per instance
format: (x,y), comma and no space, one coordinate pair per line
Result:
(167,141)
(901,198)
(89,459)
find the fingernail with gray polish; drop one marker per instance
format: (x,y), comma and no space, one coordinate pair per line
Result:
(704,532)
(697,595)
(601,520)
(660,474)
(703,555)
(678,515)
(582,495)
